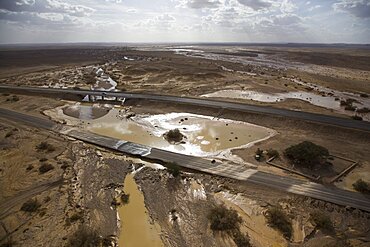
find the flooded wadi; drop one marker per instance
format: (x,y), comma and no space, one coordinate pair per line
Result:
(136,228)
(205,136)
(330,100)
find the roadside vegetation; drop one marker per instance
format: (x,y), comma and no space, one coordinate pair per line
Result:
(173,169)
(362,186)
(306,154)
(322,221)
(227,220)
(278,220)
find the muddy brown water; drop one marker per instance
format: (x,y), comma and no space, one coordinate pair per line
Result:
(204,135)
(136,229)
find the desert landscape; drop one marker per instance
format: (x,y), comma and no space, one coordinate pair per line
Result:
(59,190)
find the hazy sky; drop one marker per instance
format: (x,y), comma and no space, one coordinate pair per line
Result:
(36,21)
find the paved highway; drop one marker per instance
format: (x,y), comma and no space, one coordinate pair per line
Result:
(311,117)
(291,185)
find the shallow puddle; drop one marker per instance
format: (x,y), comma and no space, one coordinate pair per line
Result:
(136,229)
(314,99)
(329,102)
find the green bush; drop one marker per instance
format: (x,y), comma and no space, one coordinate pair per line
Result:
(31,206)
(173,169)
(322,221)
(224,219)
(277,219)
(306,154)
(361,186)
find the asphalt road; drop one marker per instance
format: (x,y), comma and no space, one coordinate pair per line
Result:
(242,107)
(291,185)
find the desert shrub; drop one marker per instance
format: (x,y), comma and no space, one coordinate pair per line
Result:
(277,219)
(224,219)
(349,108)
(45,168)
(30,206)
(363,110)
(272,153)
(9,134)
(90,78)
(173,136)
(125,198)
(75,217)
(8,243)
(306,154)
(45,146)
(14,98)
(85,237)
(356,117)
(173,169)
(259,152)
(361,186)
(322,221)
(240,239)
(115,202)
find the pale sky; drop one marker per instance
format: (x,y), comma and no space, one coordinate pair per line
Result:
(57,21)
